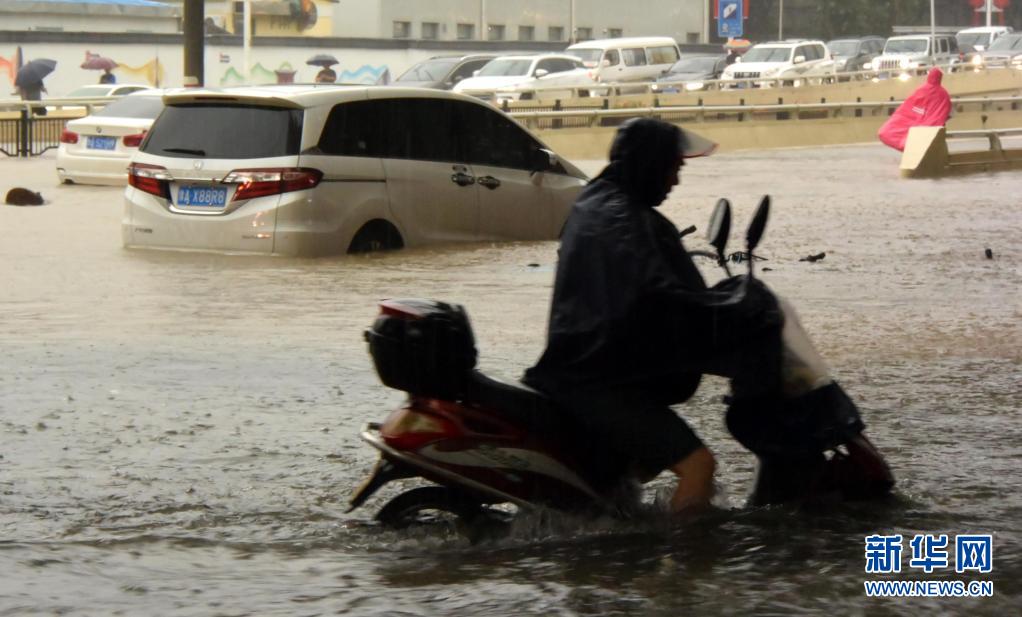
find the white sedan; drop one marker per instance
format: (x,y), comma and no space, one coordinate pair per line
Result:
(96,149)
(514,76)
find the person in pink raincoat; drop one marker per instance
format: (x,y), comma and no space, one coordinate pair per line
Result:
(929,105)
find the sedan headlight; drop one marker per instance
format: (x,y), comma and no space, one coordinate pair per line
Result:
(868,66)
(694,85)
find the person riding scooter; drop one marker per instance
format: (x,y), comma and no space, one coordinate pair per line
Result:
(633,325)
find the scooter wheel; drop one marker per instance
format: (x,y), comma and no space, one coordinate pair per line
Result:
(429,505)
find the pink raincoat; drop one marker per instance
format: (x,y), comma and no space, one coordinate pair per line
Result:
(929,105)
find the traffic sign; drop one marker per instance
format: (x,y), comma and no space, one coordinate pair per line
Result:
(729,18)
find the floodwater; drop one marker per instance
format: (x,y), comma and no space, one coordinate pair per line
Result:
(179,432)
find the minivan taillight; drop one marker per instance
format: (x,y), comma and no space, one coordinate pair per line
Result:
(271,181)
(134,141)
(152,179)
(68,137)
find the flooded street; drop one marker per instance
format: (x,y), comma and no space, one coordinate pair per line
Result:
(179,432)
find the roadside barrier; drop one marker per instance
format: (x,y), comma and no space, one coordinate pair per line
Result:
(25,132)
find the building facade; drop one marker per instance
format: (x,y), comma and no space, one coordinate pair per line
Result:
(559,21)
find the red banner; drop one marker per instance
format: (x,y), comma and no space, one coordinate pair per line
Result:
(745,9)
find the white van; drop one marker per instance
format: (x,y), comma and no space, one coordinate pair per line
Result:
(979,39)
(627,59)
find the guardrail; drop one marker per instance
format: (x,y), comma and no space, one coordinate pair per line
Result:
(27,128)
(603,116)
(505,96)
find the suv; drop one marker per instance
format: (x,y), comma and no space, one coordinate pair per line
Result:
(317,170)
(1005,51)
(442,72)
(915,51)
(793,62)
(978,39)
(850,55)
(516,74)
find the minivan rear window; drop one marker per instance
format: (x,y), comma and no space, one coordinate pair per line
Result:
(218,131)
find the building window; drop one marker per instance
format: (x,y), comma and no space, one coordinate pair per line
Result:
(615,33)
(692,38)
(526,33)
(495,32)
(402,29)
(555,33)
(583,34)
(466,32)
(430,30)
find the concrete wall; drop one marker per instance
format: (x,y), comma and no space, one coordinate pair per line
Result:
(584,144)
(163,64)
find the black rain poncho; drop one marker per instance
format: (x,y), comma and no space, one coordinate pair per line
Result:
(629,306)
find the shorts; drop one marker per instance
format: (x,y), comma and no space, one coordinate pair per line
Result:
(623,432)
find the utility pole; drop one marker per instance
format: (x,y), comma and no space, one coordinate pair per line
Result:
(482,21)
(246,43)
(780,22)
(933,26)
(571,22)
(989,12)
(194,42)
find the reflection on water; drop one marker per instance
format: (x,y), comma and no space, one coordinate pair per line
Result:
(180,430)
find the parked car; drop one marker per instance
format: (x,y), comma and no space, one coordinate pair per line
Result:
(627,59)
(852,54)
(792,62)
(981,38)
(442,72)
(690,73)
(96,149)
(300,170)
(1005,51)
(915,52)
(101,90)
(513,75)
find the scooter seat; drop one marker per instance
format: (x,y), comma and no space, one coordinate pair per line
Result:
(518,403)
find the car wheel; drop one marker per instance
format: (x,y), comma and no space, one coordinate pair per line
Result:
(378,235)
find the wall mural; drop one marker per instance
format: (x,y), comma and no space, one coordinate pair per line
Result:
(285,74)
(151,72)
(9,67)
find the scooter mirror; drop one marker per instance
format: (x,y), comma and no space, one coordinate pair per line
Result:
(720,227)
(758,224)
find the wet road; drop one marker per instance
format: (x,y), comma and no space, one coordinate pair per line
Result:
(179,431)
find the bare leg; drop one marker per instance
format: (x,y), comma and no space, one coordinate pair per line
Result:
(695,482)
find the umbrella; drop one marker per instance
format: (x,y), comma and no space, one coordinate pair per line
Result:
(99,63)
(34,71)
(323,60)
(738,44)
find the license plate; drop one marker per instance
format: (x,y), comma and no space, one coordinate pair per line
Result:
(101,143)
(202,196)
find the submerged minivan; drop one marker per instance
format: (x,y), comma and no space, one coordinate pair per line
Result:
(627,59)
(321,170)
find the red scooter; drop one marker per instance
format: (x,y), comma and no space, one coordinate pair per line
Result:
(482,442)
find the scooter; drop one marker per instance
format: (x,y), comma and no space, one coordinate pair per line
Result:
(482,442)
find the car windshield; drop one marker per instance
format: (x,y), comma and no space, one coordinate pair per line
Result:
(905,46)
(225,131)
(90,91)
(508,68)
(589,57)
(133,107)
(430,70)
(698,64)
(843,48)
(1008,42)
(767,54)
(972,39)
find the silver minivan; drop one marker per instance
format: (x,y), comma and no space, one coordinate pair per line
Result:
(320,170)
